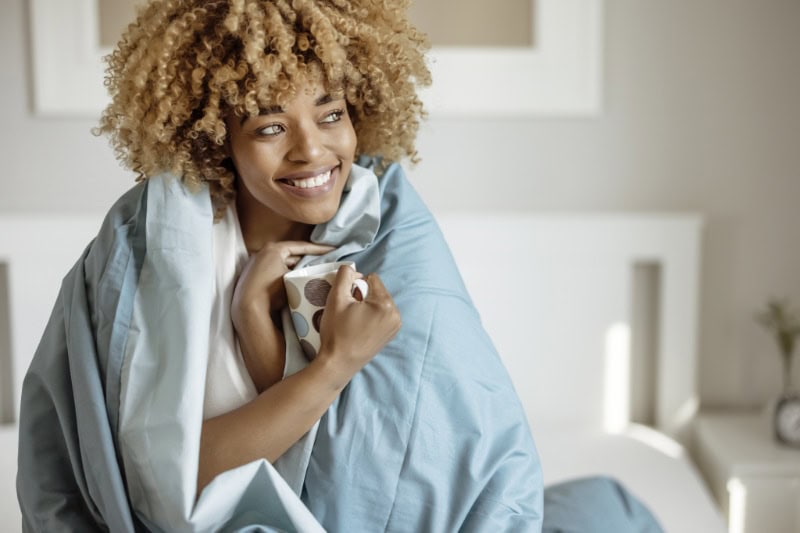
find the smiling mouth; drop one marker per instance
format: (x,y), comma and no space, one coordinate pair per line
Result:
(311,182)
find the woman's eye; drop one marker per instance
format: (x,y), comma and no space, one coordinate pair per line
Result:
(272,129)
(333,116)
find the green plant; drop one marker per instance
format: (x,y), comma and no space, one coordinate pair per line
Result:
(784,324)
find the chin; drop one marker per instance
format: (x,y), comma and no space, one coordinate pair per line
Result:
(319,217)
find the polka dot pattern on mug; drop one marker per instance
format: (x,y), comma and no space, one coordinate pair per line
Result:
(308,348)
(316,320)
(300,324)
(307,291)
(293,296)
(316,291)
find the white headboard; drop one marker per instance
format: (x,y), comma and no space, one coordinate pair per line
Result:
(594,315)
(578,305)
(36,251)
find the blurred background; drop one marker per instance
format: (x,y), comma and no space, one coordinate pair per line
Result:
(700,112)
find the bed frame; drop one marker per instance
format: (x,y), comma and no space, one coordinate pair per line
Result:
(580,304)
(594,316)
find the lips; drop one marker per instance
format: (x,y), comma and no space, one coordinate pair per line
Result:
(309,184)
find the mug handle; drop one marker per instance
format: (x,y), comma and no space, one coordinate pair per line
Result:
(360,289)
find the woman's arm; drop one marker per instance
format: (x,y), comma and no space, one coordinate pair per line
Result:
(258,299)
(352,333)
(267,426)
(262,343)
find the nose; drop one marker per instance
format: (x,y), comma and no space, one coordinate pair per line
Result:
(306,144)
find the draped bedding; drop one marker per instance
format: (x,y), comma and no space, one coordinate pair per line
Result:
(429,436)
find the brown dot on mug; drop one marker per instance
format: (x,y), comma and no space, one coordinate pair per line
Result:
(311,353)
(293,295)
(317,320)
(316,291)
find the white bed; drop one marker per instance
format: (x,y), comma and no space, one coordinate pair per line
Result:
(580,307)
(576,304)
(35,252)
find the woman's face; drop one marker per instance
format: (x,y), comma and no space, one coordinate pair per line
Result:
(294,161)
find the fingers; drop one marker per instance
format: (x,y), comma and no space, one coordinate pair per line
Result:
(340,292)
(301,248)
(290,252)
(377,290)
(383,305)
(352,333)
(350,284)
(360,289)
(379,297)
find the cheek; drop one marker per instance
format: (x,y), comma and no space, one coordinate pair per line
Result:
(255,161)
(353,141)
(348,140)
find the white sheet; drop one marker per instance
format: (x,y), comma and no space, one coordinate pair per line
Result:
(10,517)
(580,267)
(654,467)
(555,293)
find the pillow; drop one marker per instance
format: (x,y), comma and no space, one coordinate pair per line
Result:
(596,504)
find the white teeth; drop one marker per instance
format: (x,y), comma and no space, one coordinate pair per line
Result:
(314,181)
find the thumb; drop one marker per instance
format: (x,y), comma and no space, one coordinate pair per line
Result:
(340,292)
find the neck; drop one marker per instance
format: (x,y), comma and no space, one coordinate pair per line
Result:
(261,226)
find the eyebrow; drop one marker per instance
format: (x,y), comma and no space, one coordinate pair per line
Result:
(275,109)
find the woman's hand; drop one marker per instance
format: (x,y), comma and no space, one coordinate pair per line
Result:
(352,331)
(261,281)
(258,298)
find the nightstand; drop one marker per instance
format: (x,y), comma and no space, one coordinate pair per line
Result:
(755,480)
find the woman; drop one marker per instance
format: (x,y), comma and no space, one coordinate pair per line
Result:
(169,391)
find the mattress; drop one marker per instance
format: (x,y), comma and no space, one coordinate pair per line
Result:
(655,468)
(578,288)
(652,466)
(10,518)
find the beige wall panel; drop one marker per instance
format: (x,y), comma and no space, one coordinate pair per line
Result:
(114,15)
(475,22)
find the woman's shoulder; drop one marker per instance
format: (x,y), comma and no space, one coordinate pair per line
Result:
(409,249)
(164,193)
(400,202)
(163,198)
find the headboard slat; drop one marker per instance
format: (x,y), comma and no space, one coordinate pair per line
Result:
(555,292)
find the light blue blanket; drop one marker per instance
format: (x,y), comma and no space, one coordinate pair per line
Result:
(429,436)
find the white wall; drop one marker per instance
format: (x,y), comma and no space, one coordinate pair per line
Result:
(47,163)
(702,113)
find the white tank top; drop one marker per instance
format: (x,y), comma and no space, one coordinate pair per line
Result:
(228,384)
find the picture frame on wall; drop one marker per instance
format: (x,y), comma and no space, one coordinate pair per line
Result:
(559,73)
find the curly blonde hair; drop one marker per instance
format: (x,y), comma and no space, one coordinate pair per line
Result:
(185,65)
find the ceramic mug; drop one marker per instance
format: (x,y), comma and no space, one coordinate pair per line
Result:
(307,292)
